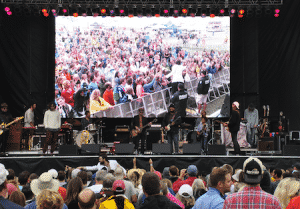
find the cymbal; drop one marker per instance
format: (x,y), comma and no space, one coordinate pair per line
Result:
(185,124)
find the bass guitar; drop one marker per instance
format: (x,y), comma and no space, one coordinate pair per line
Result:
(3,126)
(137,131)
(170,124)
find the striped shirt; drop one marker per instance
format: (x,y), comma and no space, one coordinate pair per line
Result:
(251,197)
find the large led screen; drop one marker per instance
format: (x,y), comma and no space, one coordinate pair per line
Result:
(112,66)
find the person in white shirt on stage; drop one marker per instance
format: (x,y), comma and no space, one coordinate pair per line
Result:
(29,122)
(104,163)
(176,72)
(52,123)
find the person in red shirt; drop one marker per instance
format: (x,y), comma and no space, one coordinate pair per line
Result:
(67,93)
(191,172)
(108,94)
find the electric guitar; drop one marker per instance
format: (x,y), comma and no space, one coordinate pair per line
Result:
(3,126)
(170,124)
(223,123)
(137,131)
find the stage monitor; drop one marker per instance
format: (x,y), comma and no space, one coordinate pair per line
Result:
(111,66)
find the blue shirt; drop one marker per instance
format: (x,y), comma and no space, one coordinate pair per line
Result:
(212,199)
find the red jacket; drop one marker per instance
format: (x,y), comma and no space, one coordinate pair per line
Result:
(177,184)
(108,96)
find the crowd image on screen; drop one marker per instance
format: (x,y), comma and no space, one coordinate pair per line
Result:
(126,62)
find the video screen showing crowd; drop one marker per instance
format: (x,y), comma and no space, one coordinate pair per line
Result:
(124,63)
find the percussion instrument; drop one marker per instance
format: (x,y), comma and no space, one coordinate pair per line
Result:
(92,127)
(84,137)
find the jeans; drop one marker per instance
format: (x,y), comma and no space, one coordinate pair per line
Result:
(173,137)
(251,136)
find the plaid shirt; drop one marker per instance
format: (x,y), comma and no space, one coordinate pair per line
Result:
(251,197)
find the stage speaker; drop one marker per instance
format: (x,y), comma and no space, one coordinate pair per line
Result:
(124,148)
(225,110)
(216,149)
(291,150)
(192,148)
(90,149)
(153,136)
(67,150)
(161,148)
(122,137)
(266,144)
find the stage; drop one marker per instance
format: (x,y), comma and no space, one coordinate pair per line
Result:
(34,162)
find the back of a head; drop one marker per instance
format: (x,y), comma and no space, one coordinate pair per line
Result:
(49,199)
(11,174)
(86,199)
(18,198)
(61,175)
(151,183)
(83,175)
(287,188)
(23,177)
(174,171)
(217,175)
(108,181)
(74,187)
(100,175)
(229,168)
(278,172)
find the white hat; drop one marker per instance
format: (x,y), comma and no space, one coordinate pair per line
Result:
(237,105)
(185,191)
(3,173)
(45,181)
(119,174)
(53,172)
(236,176)
(74,173)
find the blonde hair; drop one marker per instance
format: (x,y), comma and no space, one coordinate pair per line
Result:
(187,201)
(286,190)
(95,94)
(49,199)
(198,184)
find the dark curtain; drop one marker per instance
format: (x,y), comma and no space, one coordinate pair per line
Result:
(264,62)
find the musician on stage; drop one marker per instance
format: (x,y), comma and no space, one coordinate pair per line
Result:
(52,123)
(29,122)
(86,121)
(203,130)
(252,117)
(234,126)
(5,118)
(171,123)
(138,122)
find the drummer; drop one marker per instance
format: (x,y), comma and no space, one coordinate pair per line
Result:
(86,121)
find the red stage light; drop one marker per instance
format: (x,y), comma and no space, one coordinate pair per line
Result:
(46,14)
(65,10)
(277,11)
(276,15)
(241,11)
(95,15)
(75,14)
(232,11)
(53,11)
(184,11)
(9,13)
(103,11)
(157,15)
(240,16)
(121,11)
(6,9)
(44,10)
(130,16)
(222,11)
(203,15)
(166,11)
(212,15)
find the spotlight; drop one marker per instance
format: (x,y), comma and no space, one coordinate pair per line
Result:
(277,11)
(130,11)
(241,11)
(184,11)
(222,11)
(9,13)
(95,11)
(6,9)
(275,15)
(44,10)
(212,12)
(46,14)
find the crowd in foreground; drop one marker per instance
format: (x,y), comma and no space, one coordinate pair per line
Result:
(111,186)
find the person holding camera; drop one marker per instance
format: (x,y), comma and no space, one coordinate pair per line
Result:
(190,174)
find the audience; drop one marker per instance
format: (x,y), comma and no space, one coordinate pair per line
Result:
(49,199)
(185,195)
(18,198)
(75,186)
(87,199)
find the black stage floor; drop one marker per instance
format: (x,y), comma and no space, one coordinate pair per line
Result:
(39,164)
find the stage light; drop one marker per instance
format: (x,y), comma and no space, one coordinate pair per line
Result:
(241,11)
(212,15)
(95,12)
(6,9)
(212,12)
(166,11)
(277,11)
(222,11)
(46,14)
(240,16)
(122,11)
(276,15)
(44,10)
(232,11)
(9,13)
(75,14)
(184,11)
(203,11)
(130,16)
(65,10)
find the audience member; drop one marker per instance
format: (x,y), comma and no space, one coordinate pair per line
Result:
(199,188)
(190,172)
(49,199)
(252,196)
(18,198)
(185,195)
(171,197)
(75,186)
(87,199)
(100,176)
(219,182)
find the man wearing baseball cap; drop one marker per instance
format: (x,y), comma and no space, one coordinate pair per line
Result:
(234,126)
(191,172)
(252,196)
(4,202)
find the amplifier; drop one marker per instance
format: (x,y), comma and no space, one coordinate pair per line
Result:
(123,128)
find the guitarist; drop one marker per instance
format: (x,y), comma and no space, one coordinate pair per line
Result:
(173,119)
(5,118)
(203,130)
(138,122)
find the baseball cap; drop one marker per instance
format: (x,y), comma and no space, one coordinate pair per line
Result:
(192,170)
(253,170)
(118,186)
(236,104)
(236,176)
(185,191)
